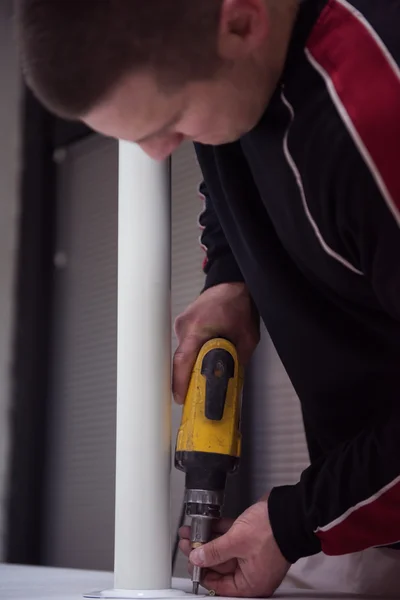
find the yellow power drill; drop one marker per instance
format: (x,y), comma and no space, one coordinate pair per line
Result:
(208,445)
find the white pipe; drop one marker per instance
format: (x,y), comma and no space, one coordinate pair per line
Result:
(142,522)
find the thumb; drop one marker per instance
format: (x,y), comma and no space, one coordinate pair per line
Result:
(214,553)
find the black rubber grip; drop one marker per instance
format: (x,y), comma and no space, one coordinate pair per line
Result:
(218,368)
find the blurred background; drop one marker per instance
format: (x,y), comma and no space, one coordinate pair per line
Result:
(58,278)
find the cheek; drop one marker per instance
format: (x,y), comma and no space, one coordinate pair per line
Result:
(209,125)
(197,123)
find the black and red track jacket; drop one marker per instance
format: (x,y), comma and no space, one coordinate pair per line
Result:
(306,210)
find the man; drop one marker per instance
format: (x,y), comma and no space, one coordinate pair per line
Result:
(294,109)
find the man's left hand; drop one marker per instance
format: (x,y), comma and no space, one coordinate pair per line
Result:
(244,559)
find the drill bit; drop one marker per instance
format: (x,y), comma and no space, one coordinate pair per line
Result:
(196,579)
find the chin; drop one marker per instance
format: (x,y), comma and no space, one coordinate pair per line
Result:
(221,139)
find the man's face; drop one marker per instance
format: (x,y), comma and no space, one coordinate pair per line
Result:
(251,48)
(213,112)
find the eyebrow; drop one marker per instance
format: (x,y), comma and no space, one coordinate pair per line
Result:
(162,129)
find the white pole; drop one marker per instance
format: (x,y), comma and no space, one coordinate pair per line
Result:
(142,568)
(142,524)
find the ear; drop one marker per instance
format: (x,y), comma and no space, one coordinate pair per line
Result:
(244,27)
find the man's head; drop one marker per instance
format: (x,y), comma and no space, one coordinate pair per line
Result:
(156,71)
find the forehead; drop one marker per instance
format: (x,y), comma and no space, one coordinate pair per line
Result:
(135,108)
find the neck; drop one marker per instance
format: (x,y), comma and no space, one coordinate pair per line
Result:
(271,58)
(283,14)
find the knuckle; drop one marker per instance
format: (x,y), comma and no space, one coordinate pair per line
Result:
(185,320)
(179,324)
(179,357)
(189,345)
(184,532)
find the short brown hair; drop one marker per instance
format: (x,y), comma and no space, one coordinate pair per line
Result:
(74,52)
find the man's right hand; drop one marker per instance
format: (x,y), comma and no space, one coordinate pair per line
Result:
(225,310)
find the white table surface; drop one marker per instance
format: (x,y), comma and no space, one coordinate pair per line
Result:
(42,583)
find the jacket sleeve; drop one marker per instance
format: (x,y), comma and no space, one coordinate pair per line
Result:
(349,500)
(219,265)
(345,502)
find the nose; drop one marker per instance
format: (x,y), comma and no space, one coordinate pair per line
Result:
(161,148)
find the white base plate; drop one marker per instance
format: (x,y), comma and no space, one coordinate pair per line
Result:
(140,594)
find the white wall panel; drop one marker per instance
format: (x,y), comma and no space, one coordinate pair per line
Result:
(81,461)
(278,445)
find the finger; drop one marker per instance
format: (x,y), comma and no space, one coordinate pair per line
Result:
(222,525)
(184,532)
(185,547)
(228,567)
(245,349)
(232,585)
(184,358)
(215,552)
(219,527)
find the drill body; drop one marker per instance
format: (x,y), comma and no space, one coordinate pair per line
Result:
(208,444)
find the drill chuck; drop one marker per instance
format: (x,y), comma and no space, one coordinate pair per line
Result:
(203,505)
